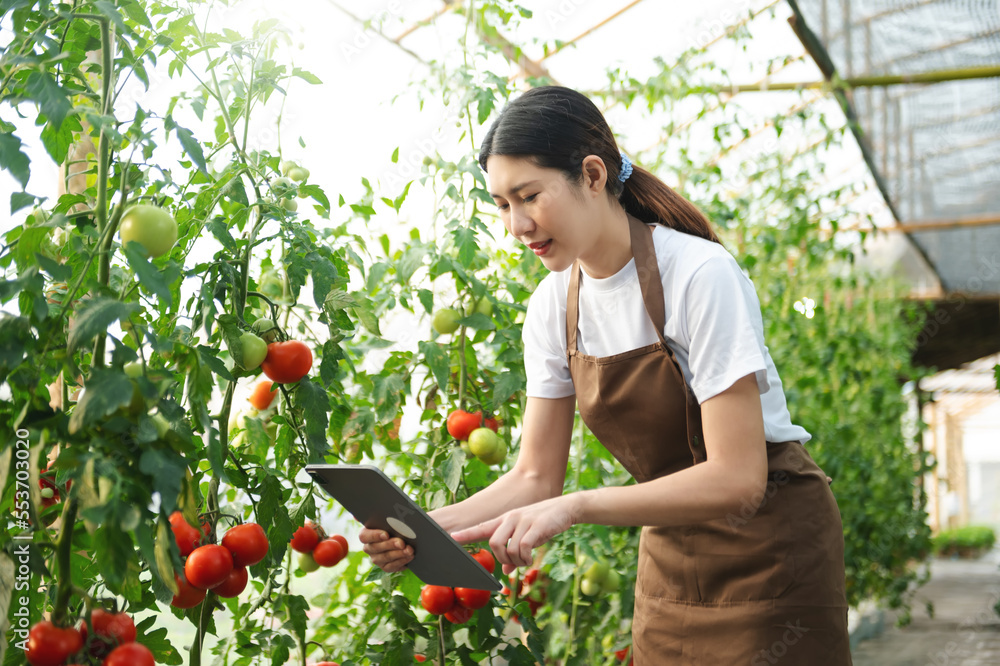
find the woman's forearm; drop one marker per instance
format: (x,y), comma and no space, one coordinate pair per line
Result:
(512,490)
(697,494)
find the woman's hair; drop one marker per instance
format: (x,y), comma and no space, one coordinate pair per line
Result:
(557,127)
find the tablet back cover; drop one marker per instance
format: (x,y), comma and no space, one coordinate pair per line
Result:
(378,503)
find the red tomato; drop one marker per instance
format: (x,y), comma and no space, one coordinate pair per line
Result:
(186,536)
(342,541)
(458,615)
(132,654)
(491,423)
(305,538)
(235,583)
(621,654)
(530,577)
(327,663)
(111,628)
(461,423)
(262,395)
(247,543)
(472,599)
(485,558)
(420,658)
(437,599)
(287,362)
(208,566)
(328,553)
(49,645)
(188,596)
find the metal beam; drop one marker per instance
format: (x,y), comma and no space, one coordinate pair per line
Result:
(871,80)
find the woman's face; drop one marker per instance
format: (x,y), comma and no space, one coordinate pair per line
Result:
(539,207)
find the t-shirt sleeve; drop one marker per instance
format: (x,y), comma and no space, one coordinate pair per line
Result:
(544,339)
(725,329)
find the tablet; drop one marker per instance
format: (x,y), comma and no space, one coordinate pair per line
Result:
(378,503)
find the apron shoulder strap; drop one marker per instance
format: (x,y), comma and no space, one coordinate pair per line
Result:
(573,307)
(648,271)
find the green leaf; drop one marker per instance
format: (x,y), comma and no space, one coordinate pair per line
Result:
(20,200)
(13,160)
(314,402)
(465,241)
(167,469)
(209,356)
(308,77)
(156,641)
(107,392)
(151,277)
(387,394)
(113,551)
(453,466)
(50,96)
(436,356)
(506,385)
(192,147)
(95,316)
(395,155)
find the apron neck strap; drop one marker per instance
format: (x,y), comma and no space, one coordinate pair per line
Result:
(641,238)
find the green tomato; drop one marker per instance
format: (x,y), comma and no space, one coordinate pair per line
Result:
(307,563)
(498,456)
(133,369)
(597,572)
(266,329)
(254,351)
(483,442)
(611,582)
(589,587)
(484,307)
(153,228)
(445,321)
(279,185)
(291,205)
(298,174)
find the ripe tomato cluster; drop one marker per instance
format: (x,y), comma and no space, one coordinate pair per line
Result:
(113,641)
(317,550)
(220,568)
(457,603)
(529,587)
(478,435)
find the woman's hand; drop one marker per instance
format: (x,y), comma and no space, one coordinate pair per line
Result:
(513,535)
(388,553)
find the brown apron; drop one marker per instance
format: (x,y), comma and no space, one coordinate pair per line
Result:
(762,586)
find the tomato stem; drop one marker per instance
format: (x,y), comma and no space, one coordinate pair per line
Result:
(462,367)
(64,549)
(441,654)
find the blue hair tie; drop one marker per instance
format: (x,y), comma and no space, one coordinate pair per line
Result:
(626,169)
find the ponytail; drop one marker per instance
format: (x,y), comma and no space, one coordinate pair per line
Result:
(651,200)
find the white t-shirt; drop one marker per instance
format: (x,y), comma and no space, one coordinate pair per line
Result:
(713,325)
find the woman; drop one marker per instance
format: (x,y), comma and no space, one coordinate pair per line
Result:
(649,327)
